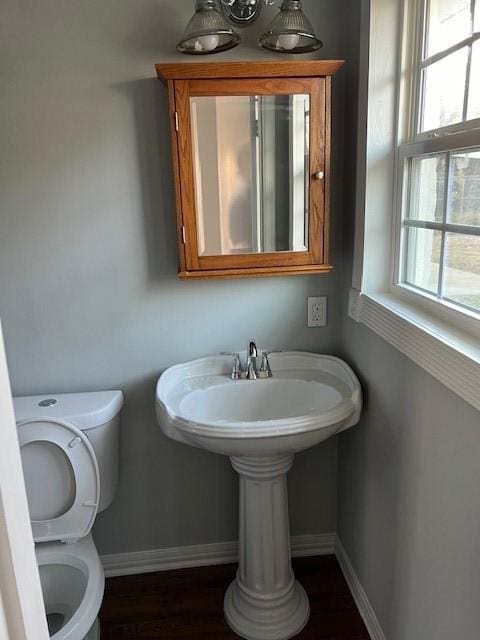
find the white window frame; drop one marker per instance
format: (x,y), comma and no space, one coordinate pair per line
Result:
(413,30)
(462,136)
(435,335)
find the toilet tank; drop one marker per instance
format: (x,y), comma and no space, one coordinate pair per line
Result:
(96,414)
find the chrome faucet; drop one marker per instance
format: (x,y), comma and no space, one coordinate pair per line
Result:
(251,372)
(251,366)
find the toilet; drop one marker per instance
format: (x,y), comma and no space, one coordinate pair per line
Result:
(69,448)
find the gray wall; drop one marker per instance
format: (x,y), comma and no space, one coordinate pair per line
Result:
(409,496)
(88,291)
(408,476)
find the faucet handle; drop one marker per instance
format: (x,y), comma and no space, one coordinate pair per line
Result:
(265,369)
(265,354)
(237,365)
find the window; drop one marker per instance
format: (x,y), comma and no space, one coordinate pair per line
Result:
(428,138)
(439,157)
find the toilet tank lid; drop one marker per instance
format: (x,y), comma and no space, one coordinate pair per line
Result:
(83,410)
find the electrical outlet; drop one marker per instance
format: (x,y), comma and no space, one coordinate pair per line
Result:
(317,312)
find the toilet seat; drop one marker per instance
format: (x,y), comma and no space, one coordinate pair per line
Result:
(79,463)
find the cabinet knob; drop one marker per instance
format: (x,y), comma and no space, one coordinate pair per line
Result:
(319,175)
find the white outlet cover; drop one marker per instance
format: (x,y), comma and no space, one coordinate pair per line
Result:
(317,312)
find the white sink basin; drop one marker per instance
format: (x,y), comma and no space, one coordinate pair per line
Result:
(261,424)
(309,398)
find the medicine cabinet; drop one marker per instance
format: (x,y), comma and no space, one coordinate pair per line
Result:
(251,161)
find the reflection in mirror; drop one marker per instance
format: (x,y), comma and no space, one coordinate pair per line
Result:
(251,164)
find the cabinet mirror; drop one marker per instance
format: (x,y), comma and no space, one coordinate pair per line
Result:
(251,158)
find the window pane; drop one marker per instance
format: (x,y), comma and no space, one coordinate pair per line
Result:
(444,91)
(462,269)
(474,87)
(423,258)
(476,26)
(464,205)
(427,188)
(449,22)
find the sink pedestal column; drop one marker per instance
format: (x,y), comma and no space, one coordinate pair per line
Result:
(265,602)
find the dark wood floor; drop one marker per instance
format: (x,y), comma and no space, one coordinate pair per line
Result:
(187,604)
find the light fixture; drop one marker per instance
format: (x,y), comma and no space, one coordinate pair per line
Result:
(207,32)
(290,31)
(243,12)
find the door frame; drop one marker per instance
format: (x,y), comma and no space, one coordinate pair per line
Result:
(22,613)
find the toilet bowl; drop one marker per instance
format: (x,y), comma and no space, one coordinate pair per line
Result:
(72,584)
(69,448)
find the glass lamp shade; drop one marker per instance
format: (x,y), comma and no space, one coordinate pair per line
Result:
(290,31)
(207,32)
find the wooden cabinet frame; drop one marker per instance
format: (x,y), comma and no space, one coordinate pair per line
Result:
(312,78)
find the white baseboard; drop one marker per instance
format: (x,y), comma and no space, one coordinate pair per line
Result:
(123,564)
(322,544)
(358,592)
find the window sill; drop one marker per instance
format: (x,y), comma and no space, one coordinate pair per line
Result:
(451,356)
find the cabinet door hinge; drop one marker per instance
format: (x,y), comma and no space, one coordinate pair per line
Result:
(182,232)
(177,126)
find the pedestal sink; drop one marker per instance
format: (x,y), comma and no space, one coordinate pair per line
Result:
(261,424)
